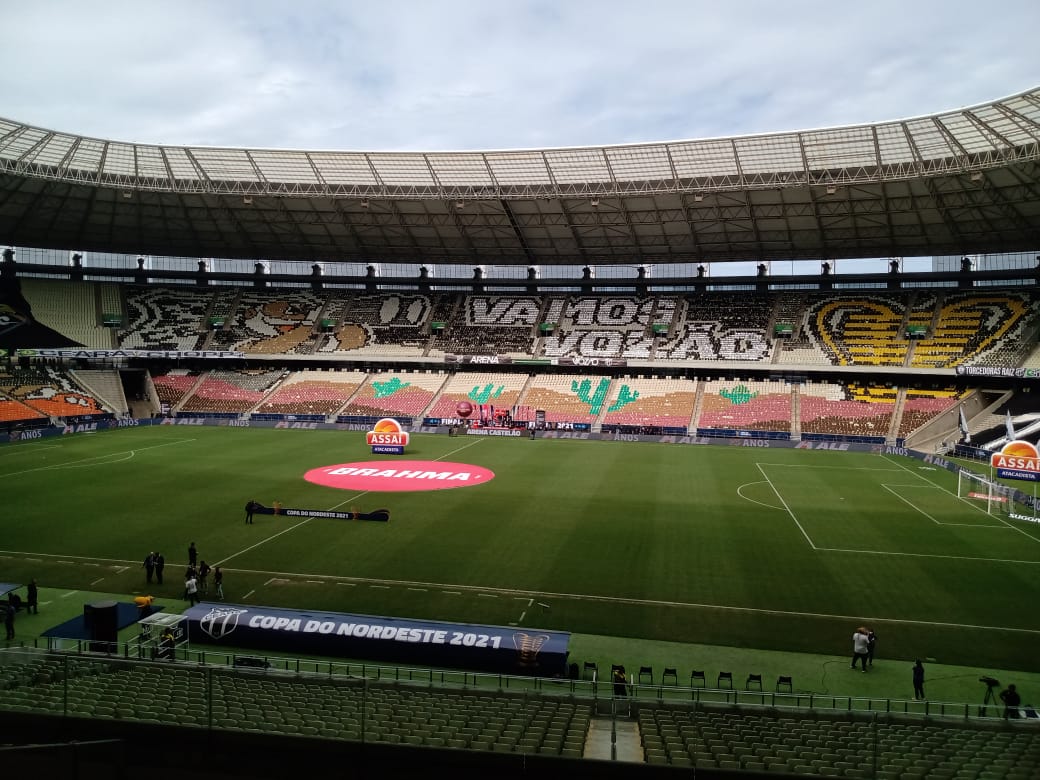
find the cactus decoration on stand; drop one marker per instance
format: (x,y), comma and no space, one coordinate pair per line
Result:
(483,395)
(595,398)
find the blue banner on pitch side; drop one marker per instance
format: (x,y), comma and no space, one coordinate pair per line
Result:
(383,639)
(1027,476)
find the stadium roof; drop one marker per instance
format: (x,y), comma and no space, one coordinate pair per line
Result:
(964,181)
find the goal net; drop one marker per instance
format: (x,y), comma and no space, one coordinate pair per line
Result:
(996,498)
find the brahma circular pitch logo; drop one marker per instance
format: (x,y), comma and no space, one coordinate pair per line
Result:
(399,475)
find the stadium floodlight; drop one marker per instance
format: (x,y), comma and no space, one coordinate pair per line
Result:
(247,200)
(364,203)
(831,189)
(698,197)
(460,204)
(977,176)
(594,202)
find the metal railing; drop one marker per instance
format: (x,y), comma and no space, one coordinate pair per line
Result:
(186,658)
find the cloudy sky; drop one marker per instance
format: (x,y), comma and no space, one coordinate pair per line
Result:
(415,75)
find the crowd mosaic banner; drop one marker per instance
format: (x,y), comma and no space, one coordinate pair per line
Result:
(509,650)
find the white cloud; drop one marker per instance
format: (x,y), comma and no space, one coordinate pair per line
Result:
(463,74)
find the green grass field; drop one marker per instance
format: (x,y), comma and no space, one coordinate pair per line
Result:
(753,548)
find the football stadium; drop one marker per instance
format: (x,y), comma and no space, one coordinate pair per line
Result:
(498,461)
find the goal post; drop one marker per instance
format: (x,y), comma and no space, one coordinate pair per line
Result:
(997,498)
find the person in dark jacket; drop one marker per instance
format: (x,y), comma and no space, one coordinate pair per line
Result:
(204,570)
(918,680)
(1012,701)
(620,682)
(31,598)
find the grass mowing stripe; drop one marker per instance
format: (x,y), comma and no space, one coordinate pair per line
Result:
(781,498)
(652,541)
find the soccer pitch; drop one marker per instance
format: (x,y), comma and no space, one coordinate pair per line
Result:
(776,549)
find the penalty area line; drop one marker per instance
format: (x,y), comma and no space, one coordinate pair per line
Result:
(965,500)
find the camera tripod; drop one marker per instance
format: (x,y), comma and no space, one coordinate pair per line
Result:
(989,698)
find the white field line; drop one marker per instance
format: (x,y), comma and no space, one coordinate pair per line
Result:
(478,589)
(908,502)
(814,467)
(966,501)
(753,501)
(123,459)
(931,555)
(456,589)
(95,458)
(810,541)
(523,614)
(7,451)
(889,488)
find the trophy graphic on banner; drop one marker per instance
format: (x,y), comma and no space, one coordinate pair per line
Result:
(528,646)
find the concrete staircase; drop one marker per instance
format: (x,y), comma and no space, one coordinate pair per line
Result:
(606,742)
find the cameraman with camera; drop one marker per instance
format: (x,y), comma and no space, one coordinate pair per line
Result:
(1012,701)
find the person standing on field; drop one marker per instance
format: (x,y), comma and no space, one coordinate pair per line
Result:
(191,590)
(9,619)
(32,597)
(918,680)
(871,644)
(204,578)
(160,564)
(860,647)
